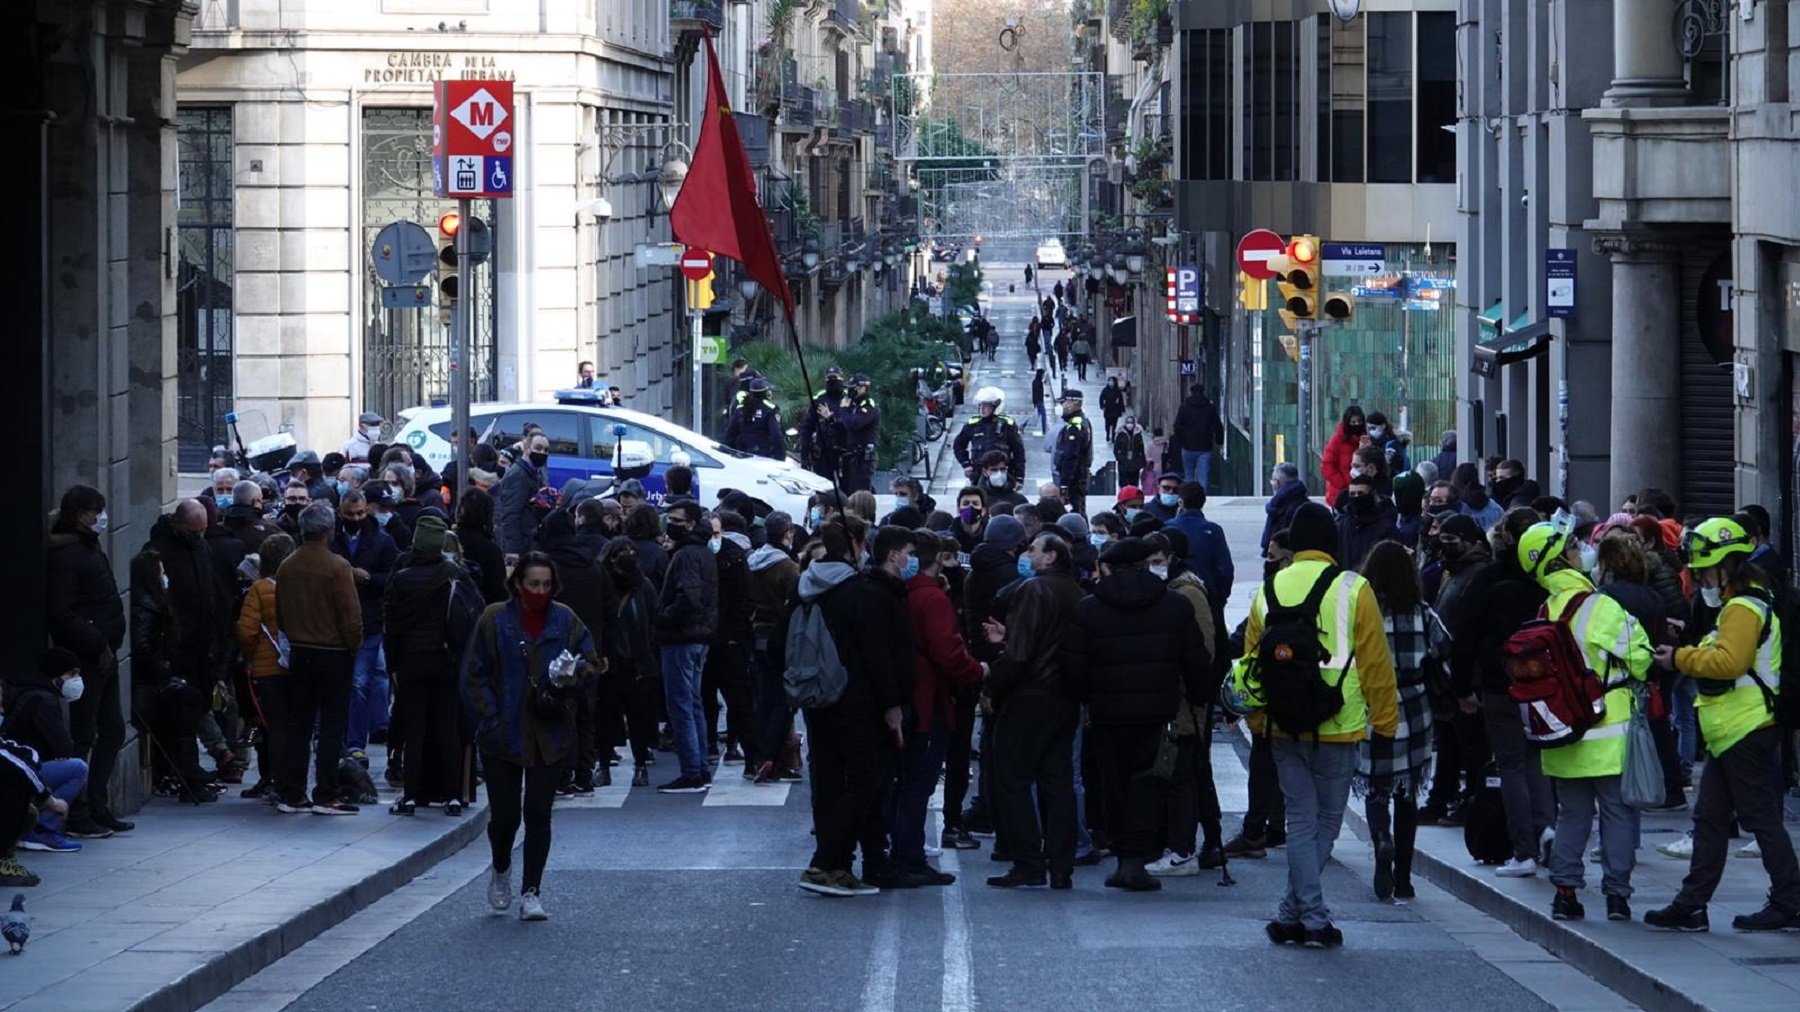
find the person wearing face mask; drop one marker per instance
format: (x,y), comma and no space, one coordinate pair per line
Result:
(1129,504)
(971,518)
(908,492)
(1287,493)
(384,510)
(755,425)
(371,553)
(988,432)
(773,576)
(1133,652)
(1340,452)
(1083,552)
(687,620)
(1622,572)
(1130,450)
(822,436)
(1032,740)
(514,519)
(1738,668)
(368,433)
(1165,502)
(1363,521)
(993,567)
(997,481)
(84,614)
(1191,801)
(1586,772)
(34,717)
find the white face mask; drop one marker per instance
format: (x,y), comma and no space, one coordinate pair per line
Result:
(72,689)
(1160,572)
(997,479)
(100,523)
(1713,596)
(1589,554)
(165,581)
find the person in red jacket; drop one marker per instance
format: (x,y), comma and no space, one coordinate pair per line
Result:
(1334,465)
(943,664)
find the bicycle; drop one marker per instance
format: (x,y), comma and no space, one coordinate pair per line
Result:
(1698,20)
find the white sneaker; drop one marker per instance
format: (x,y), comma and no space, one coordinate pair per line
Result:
(1682,848)
(1517,868)
(1546,845)
(1594,855)
(531,908)
(1751,849)
(1173,865)
(500,889)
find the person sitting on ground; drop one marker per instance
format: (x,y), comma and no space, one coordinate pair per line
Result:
(34,717)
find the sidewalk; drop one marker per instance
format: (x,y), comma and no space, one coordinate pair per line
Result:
(197,898)
(1722,969)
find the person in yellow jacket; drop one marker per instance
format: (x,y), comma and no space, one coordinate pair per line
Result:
(1738,667)
(1586,773)
(1315,771)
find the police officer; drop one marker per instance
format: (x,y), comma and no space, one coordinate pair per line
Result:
(861,421)
(990,430)
(743,375)
(755,425)
(822,436)
(1073,457)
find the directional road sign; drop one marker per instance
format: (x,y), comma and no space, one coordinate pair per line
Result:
(1355,258)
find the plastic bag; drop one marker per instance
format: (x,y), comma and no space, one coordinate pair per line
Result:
(1641,785)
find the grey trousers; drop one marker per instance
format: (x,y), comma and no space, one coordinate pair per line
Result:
(1315,783)
(1578,798)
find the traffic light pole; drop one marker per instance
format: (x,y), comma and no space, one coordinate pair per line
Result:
(462,329)
(1302,453)
(694,351)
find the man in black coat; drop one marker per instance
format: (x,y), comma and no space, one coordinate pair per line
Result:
(179,537)
(85,615)
(687,619)
(515,521)
(1133,653)
(1198,431)
(371,554)
(727,671)
(1034,736)
(423,661)
(993,566)
(855,740)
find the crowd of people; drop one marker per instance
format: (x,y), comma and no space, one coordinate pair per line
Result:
(1061,673)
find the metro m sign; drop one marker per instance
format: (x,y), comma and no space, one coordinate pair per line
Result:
(472,127)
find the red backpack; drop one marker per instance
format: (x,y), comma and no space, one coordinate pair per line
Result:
(1559,696)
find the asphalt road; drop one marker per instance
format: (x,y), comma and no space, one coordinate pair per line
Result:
(675,903)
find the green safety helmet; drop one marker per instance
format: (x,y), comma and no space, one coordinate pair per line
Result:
(1539,545)
(1707,545)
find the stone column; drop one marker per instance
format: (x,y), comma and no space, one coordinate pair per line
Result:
(1646,356)
(1646,64)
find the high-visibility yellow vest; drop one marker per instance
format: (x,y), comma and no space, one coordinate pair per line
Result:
(1727,718)
(1615,647)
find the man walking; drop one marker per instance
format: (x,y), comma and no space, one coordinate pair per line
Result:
(1073,459)
(315,592)
(1199,430)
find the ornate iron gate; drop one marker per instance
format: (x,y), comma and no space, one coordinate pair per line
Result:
(406,352)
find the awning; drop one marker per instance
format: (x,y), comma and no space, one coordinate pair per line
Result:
(1124,332)
(1524,339)
(1492,315)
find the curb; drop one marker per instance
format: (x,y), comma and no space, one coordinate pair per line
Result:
(1615,973)
(242,961)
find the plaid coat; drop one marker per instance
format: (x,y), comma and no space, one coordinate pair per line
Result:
(1400,763)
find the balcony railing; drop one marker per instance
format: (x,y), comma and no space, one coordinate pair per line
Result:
(754,129)
(844,15)
(689,15)
(856,117)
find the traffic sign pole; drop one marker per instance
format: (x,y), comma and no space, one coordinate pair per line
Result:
(696,264)
(462,323)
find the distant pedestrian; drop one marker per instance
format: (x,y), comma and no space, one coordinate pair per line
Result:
(1128,449)
(1199,430)
(1083,351)
(1038,398)
(1112,406)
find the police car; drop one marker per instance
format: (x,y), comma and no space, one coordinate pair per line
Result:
(584,438)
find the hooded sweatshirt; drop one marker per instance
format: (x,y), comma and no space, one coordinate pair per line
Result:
(866,614)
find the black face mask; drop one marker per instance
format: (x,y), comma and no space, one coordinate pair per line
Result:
(626,572)
(1359,505)
(834,388)
(294,509)
(538,460)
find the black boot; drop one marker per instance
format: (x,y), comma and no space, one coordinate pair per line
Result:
(1380,833)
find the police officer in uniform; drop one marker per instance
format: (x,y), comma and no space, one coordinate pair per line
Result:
(1074,454)
(822,436)
(990,430)
(743,375)
(755,425)
(861,421)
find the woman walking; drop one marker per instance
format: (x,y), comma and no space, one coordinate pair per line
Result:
(521,691)
(1390,770)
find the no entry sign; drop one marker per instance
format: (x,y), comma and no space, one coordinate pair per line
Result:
(696,264)
(1254,251)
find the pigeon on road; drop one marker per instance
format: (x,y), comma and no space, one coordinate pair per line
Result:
(15,925)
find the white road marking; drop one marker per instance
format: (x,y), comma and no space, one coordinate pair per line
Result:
(884,961)
(729,788)
(959,955)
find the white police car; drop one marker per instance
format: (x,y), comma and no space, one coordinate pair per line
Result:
(584,437)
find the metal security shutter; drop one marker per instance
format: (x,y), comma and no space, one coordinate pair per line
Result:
(1707,424)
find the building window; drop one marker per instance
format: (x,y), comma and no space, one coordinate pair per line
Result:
(1206,108)
(1437,98)
(406,352)
(203,282)
(1259,87)
(1390,98)
(1348,99)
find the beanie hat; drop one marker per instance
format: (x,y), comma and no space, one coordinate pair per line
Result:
(1004,533)
(57,661)
(1409,494)
(1126,552)
(1075,524)
(1312,530)
(1461,526)
(428,536)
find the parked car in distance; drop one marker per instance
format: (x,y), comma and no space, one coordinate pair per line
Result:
(1050,253)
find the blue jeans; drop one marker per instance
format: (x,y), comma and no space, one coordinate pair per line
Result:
(910,796)
(1315,783)
(1687,729)
(65,778)
(368,694)
(1197,466)
(683,665)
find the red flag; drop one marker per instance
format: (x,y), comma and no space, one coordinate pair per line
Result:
(717,209)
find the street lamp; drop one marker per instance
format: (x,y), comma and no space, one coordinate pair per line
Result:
(669,178)
(749,289)
(809,254)
(1134,253)
(1121,273)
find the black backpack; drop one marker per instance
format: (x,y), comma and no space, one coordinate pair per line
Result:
(1484,820)
(1289,658)
(1783,701)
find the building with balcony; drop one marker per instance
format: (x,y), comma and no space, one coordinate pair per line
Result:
(304,130)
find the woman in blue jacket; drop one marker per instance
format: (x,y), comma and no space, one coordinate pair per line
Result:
(522,703)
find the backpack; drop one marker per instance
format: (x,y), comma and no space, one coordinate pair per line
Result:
(1558,695)
(815,675)
(1290,657)
(1484,820)
(461,612)
(1783,701)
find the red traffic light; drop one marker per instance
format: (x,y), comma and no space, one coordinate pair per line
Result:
(1303,251)
(449,223)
